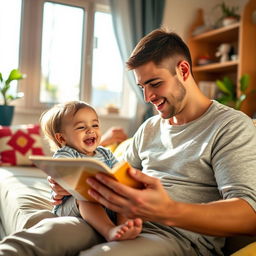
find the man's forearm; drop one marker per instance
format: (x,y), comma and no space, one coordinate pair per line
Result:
(220,218)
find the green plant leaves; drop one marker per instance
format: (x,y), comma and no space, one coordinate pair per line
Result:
(228,11)
(15,74)
(226,85)
(225,99)
(228,88)
(239,101)
(244,82)
(5,85)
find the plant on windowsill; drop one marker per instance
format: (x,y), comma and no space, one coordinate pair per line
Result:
(229,14)
(5,85)
(229,96)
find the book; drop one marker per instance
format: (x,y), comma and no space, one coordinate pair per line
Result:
(71,173)
(209,89)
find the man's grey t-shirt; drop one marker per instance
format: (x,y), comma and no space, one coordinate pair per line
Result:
(208,159)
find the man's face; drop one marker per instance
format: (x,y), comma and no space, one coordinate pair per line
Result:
(161,88)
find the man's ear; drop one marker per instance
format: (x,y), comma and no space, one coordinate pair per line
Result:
(59,137)
(183,70)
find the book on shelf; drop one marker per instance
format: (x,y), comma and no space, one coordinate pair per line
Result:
(208,88)
(71,173)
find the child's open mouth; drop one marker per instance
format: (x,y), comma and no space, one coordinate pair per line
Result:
(90,141)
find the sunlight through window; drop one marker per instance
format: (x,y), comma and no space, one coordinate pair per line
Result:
(61,53)
(107,72)
(10,16)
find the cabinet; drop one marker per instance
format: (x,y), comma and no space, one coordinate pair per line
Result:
(242,36)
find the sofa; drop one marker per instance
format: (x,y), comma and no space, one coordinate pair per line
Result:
(25,194)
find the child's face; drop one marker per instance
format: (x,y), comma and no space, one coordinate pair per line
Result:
(81,131)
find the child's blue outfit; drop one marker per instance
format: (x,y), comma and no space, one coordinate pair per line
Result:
(69,206)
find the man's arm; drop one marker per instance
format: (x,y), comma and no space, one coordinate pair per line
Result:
(219,218)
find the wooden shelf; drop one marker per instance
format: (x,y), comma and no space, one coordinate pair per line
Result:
(241,36)
(220,35)
(217,67)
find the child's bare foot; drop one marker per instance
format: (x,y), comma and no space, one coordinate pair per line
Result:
(129,230)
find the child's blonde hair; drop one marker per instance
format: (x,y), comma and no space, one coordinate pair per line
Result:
(51,120)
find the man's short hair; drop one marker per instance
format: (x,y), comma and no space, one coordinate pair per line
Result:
(157,46)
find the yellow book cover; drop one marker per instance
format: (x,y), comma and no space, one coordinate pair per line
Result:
(71,173)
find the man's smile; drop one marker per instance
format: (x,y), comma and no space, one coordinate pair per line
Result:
(159,104)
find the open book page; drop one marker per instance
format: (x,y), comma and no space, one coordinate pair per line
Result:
(71,173)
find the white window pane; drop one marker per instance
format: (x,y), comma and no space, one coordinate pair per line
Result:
(10,15)
(61,53)
(107,72)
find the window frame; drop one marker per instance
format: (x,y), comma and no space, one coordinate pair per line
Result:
(30,54)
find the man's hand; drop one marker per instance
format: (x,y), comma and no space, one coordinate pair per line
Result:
(57,191)
(150,204)
(219,218)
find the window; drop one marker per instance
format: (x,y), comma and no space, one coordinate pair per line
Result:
(67,50)
(10,17)
(61,53)
(107,69)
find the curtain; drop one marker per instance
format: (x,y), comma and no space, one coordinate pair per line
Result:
(133,19)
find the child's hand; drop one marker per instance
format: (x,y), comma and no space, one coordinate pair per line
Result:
(112,136)
(57,191)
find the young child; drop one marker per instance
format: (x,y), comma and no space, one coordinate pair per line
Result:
(73,130)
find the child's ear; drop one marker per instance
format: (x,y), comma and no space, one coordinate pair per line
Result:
(183,70)
(59,137)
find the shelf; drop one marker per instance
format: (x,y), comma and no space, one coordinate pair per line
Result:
(220,35)
(241,36)
(217,67)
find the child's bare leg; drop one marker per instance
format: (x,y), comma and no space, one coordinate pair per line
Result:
(95,215)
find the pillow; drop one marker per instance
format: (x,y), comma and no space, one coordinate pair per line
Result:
(18,142)
(112,147)
(121,149)
(249,250)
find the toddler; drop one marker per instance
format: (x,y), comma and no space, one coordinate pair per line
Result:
(73,131)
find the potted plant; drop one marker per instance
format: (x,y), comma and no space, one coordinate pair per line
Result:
(6,109)
(229,14)
(228,89)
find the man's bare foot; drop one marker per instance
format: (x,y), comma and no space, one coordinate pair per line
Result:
(129,230)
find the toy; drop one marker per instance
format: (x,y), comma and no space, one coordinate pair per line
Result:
(223,52)
(204,60)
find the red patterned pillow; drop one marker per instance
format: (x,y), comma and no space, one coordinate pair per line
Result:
(18,142)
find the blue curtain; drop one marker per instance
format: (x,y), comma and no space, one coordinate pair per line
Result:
(132,20)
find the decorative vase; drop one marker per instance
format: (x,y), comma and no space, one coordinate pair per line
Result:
(6,115)
(229,20)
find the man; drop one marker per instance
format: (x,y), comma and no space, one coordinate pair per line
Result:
(197,159)
(202,151)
